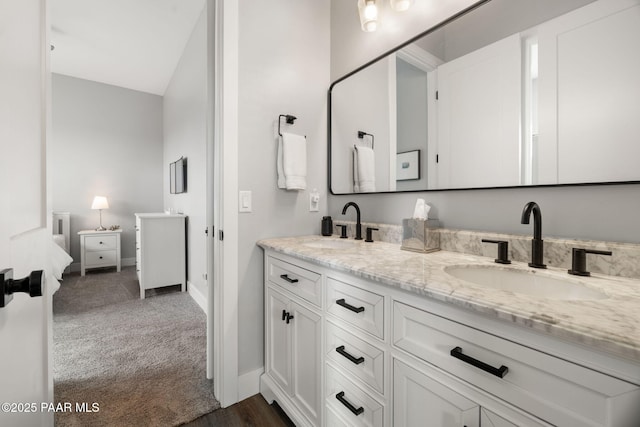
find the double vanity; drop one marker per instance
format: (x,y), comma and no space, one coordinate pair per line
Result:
(360,333)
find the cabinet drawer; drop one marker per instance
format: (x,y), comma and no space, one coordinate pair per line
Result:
(350,402)
(302,282)
(358,357)
(101,258)
(562,392)
(99,243)
(360,308)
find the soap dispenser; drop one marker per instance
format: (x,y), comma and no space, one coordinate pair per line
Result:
(327,226)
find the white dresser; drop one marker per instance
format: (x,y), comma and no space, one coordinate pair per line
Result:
(160,250)
(99,249)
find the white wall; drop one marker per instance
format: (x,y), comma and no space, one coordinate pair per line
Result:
(185,133)
(283,69)
(584,212)
(106,141)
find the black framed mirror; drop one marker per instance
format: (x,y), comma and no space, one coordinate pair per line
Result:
(510,93)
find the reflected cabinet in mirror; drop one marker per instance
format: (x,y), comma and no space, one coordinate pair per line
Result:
(514,92)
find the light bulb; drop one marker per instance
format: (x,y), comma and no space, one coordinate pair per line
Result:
(368,15)
(371,11)
(401,5)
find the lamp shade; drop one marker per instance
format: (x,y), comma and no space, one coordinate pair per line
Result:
(100,202)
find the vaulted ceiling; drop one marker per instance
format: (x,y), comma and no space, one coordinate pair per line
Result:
(134,44)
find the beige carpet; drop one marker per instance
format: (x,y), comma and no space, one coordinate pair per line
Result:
(141,361)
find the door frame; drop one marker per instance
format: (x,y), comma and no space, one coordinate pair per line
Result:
(222,198)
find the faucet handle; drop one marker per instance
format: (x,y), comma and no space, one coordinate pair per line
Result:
(370,231)
(579,260)
(343,230)
(503,250)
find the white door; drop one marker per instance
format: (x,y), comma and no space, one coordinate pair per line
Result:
(25,322)
(479,103)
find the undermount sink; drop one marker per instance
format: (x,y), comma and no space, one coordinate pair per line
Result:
(330,244)
(532,283)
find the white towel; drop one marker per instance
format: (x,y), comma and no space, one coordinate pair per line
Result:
(364,171)
(292,162)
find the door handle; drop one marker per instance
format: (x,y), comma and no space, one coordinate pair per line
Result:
(31,285)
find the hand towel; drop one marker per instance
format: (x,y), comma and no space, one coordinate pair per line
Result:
(292,162)
(364,170)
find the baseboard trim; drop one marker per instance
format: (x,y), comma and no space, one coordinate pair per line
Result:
(249,384)
(197,296)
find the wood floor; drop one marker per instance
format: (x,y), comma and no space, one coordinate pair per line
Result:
(254,412)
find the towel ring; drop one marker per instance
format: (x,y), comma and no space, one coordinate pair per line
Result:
(361,135)
(289,119)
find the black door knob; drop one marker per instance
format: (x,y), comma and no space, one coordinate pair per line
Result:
(31,285)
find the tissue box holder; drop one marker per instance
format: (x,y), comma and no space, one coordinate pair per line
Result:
(420,235)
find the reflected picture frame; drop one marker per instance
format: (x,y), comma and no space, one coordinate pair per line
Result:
(408,165)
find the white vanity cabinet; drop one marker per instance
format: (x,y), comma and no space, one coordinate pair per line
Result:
(377,355)
(160,251)
(293,339)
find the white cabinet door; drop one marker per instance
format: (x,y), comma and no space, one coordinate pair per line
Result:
(419,400)
(279,341)
(489,419)
(306,329)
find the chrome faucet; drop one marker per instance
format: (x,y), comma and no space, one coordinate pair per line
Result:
(537,244)
(358,224)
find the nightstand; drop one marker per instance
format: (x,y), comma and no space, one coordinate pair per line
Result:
(99,249)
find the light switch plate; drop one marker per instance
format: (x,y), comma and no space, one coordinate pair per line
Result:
(244,201)
(314,201)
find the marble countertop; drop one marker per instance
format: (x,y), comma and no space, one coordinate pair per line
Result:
(611,324)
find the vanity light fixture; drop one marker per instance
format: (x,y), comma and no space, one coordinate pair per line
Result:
(99,203)
(368,11)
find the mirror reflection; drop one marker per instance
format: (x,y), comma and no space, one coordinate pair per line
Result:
(516,92)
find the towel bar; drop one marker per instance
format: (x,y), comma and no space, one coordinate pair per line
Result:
(361,135)
(289,119)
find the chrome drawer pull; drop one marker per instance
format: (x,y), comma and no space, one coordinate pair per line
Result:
(288,279)
(498,372)
(356,360)
(341,302)
(356,411)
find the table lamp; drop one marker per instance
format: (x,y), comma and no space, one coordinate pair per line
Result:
(100,202)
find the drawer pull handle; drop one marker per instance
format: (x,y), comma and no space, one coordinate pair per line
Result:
(356,360)
(100,257)
(498,372)
(288,279)
(345,402)
(341,302)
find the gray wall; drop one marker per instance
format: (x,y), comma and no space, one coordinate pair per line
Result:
(585,212)
(185,134)
(283,69)
(106,141)
(412,117)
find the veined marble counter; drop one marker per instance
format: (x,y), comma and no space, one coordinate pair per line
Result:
(611,324)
